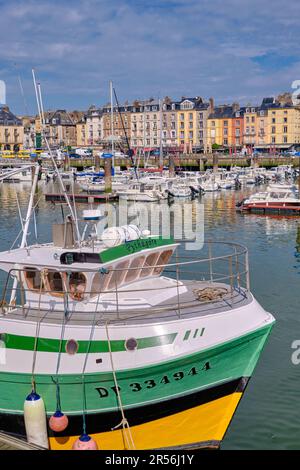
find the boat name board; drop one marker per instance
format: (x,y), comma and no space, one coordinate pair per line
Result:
(132,247)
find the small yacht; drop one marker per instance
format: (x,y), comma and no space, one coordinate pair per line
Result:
(143,191)
(277,198)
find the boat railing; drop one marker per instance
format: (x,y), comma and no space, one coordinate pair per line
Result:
(225,274)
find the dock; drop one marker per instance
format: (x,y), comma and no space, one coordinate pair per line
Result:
(84,198)
(8,442)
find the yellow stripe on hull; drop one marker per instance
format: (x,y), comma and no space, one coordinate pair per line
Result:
(207,422)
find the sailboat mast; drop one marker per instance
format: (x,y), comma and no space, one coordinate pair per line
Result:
(161,158)
(112,122)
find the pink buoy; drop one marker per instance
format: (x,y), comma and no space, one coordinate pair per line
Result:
(58,422)
(85,442)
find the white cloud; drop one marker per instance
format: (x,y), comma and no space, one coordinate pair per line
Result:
(191,47)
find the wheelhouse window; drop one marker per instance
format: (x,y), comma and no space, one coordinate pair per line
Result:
(33,279)
(149,264)
(162,260)
(77,286)
(134,271)
(55,283)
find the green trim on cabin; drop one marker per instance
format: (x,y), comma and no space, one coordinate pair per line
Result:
(132,247)
(27,343)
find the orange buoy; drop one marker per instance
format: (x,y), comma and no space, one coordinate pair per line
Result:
(85,442)
(58,422)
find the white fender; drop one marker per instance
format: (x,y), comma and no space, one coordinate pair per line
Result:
(35,420)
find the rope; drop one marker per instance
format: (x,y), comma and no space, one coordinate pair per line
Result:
(56,382)
(38,326)
(84,406)
(124,423)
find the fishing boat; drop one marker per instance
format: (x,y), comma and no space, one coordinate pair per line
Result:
(281,199)
(135,343)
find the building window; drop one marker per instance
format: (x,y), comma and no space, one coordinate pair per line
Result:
(285,139)
(181,117)
(225,131)
(285,119)
(285,129)
(182,125)
(247,119)
(191,134)
(200,115)
(225,123)
(190,125)
(273,140)
(190,116)
(273,130)
(273,120)
(213,123)
(253,119)
(237,123)
(225,141)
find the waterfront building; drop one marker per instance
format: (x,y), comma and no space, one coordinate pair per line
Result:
(253,122)
(116,126)
(82,132)
(225,127)
(145,124)
(93,129)
(192,118)
(60,127)
(11,130)
(279,125)
(29,132)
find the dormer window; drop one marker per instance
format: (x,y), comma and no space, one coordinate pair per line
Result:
(247,110)
(262,113)
(237,114)
(186,105)
(252,110)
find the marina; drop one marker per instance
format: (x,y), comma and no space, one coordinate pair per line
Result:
(222,292)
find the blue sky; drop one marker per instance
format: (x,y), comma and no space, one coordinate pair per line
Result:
(233,50)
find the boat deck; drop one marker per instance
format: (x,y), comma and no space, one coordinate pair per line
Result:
(9,442)
(183,305)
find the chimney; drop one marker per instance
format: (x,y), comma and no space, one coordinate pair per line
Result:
(211,105)
(235,107)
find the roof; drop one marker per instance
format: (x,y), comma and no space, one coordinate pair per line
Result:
(224,111)
(7,118)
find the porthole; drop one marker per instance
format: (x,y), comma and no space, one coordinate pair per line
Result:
(72,346)
(131,344)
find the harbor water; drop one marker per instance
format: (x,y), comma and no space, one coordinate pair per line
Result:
(268,416)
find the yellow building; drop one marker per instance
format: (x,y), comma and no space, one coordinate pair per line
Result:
(192,114)
(273,125)
(11,131)
(282,126)
(81,133)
